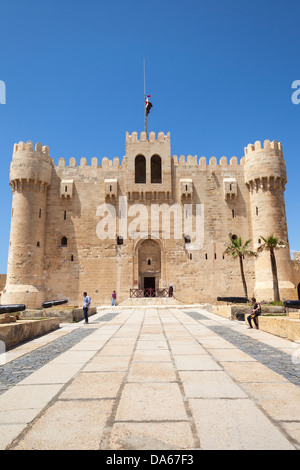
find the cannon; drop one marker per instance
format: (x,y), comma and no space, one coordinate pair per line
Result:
(240,316)
(12,308)
(53,303)
(292,304)
(234,300)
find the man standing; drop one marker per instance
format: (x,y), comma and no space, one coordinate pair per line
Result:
(114,298)
(86,304)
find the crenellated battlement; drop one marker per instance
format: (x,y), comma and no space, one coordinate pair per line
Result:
(202,163)
(106,163)
(161,137)
(267,145)
(21,146)
(116,164)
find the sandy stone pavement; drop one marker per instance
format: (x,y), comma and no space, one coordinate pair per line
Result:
(175,378)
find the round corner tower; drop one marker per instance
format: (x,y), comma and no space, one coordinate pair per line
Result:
(30,176)
(265,177)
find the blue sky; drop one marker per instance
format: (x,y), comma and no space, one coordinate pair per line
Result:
(219,73)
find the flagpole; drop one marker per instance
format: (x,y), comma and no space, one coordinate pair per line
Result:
(145,99)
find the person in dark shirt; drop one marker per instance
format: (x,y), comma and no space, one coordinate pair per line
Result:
(256,310)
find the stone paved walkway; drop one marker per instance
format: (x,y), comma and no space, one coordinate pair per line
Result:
(152,379)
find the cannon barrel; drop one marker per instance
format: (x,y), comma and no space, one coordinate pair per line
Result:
(234,300)
(53,303)
(292,303)
(12,308)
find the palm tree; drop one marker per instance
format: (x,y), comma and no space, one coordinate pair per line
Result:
(271,244)
(238,249)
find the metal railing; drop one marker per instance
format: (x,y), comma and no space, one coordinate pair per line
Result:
(140,293)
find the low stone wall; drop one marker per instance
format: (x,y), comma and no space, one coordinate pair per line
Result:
(15,333)
(230,311)
(284,327)
(65,315)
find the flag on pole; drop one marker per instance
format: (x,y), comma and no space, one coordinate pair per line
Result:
(148,105)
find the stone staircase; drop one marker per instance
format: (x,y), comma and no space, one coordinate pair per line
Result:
(150,302)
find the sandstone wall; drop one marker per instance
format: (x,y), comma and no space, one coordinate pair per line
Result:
(60,214)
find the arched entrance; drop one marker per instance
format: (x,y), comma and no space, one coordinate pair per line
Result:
(149,266)
(299,291)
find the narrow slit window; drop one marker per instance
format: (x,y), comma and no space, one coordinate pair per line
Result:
(64,241)
(119,240)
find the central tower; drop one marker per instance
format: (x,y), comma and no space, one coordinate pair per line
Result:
(148,167)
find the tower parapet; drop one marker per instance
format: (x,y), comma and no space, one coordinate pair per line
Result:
(264,165)
(161,137)
(29,164)
(30,176)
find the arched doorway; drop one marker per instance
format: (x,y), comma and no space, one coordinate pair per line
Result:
(299,291)
(149,266)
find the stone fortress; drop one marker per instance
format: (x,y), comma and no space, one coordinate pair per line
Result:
(55,250)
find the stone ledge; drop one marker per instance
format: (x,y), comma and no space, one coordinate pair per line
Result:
(284,327)
(65,315)
(230,311)
(12,334)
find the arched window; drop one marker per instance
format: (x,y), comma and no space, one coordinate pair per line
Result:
(140,169)
(64,241)
(155,169)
